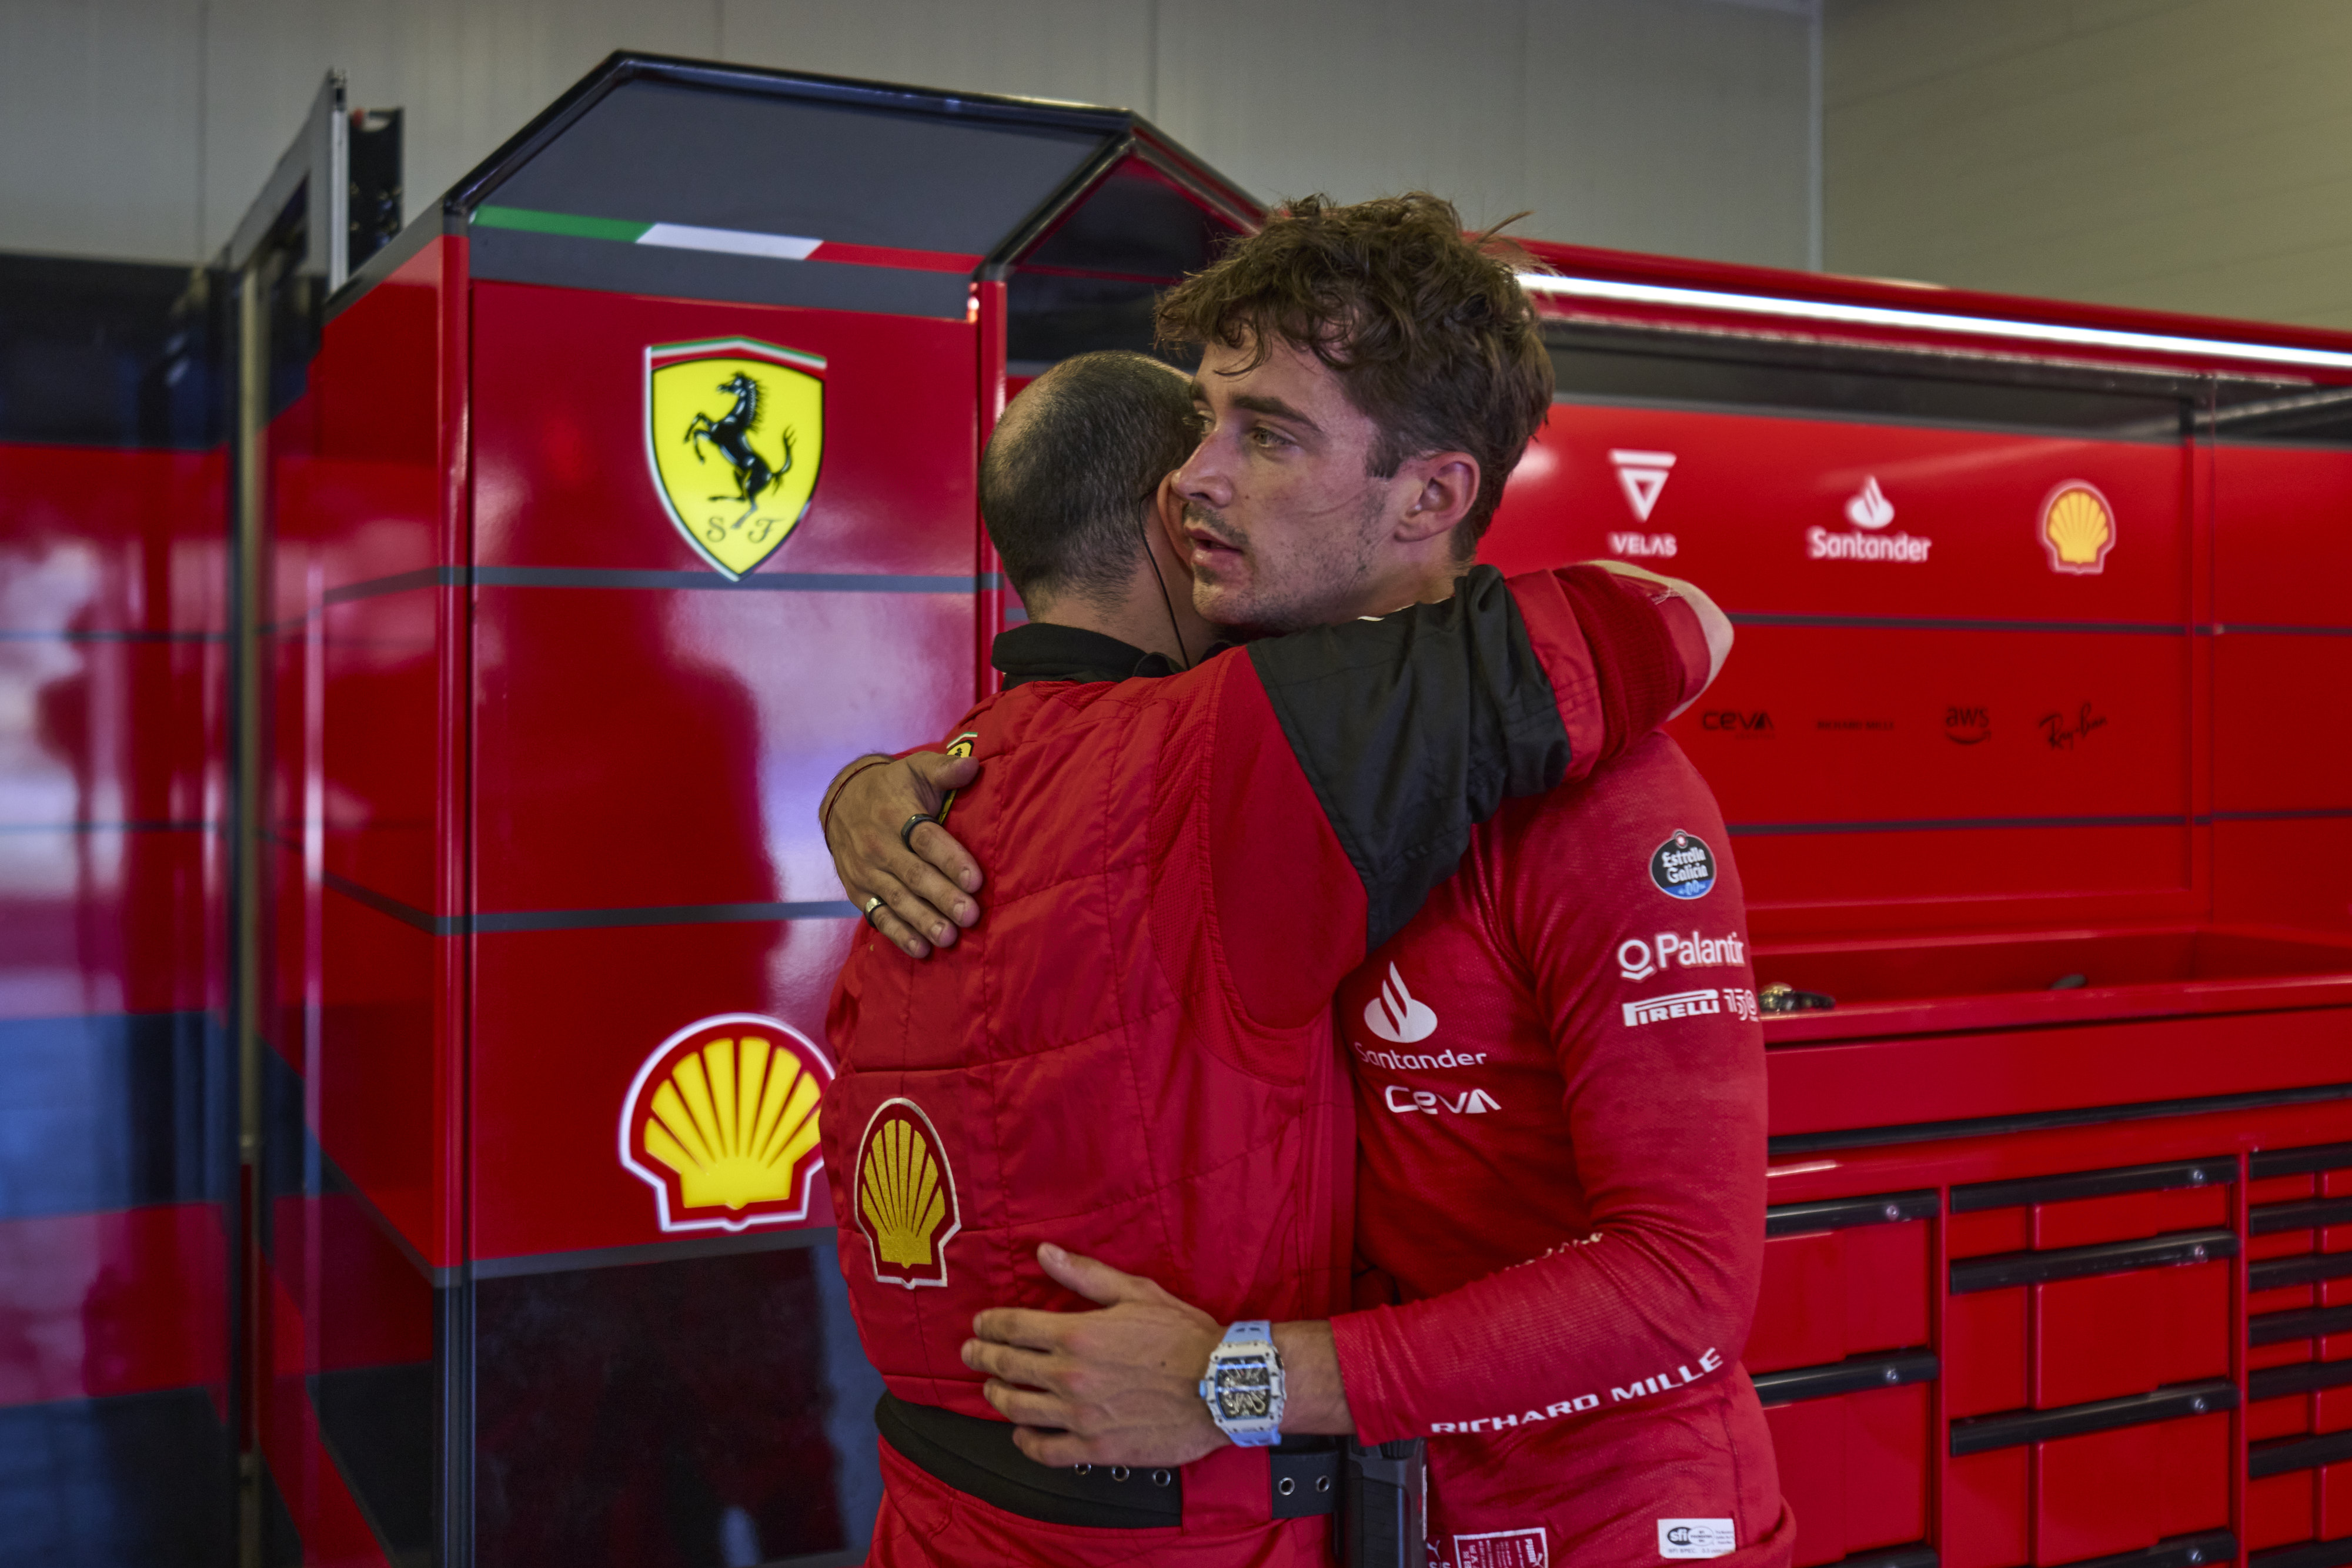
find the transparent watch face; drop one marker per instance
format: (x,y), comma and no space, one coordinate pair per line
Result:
(1244,1390)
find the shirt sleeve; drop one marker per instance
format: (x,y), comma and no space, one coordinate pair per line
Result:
(1403,733)
(1666,1126)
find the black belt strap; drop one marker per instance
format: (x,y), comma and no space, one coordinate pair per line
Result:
(976,1458)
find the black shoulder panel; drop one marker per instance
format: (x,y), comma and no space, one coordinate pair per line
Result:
(1413,730)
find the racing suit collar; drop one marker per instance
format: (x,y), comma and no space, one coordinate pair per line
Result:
(1041,650)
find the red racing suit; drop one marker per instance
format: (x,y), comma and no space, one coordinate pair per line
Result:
(1132,1053)
(1560,1119)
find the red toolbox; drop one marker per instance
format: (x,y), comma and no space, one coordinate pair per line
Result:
(2036,754)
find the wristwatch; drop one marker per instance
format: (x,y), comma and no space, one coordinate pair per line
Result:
(1244,1388)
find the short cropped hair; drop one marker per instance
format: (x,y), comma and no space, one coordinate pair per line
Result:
(1069,466)
(1431,334)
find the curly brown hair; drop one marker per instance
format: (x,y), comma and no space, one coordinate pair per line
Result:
(1428,329)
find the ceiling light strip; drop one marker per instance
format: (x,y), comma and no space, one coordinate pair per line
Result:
(1930,321)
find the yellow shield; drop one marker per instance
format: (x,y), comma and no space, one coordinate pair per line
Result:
(734,430)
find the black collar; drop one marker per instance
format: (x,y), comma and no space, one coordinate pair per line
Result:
(1041,650)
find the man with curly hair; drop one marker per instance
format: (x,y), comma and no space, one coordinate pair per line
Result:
(1559,1180)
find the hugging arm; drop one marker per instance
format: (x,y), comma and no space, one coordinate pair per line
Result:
(1505,689)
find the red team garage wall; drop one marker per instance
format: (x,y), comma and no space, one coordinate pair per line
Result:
(2050,1275)
(2060,1258)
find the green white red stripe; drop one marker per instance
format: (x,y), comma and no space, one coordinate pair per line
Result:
(724,242)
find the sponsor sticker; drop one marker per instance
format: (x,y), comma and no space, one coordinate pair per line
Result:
(1967,725)
(907,1203)
(1470,1103)
(1414,1062)
(1396,1015)
(1672,1004)
(1868,511)
(1696,1538)
(1503,1549)
(1683,867)
(1638,960)
(1641,474)
(2064,731)
(721,1122)
(734,434)
(2077,529)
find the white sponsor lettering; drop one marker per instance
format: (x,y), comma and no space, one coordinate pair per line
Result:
(1643,475)
(1822,545)
(1660,546)
(1395,1016)
(1742,1004)
(1672,1004)
(1408,1061)
(1696,1538)
(1711,1360)
(1406,1102)
(1503,1549)
(1638,960)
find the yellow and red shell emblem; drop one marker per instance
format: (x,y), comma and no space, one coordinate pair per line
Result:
(905,1196)
(722,1123)
(2078,529)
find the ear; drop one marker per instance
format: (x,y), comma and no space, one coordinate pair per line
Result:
(1440,490)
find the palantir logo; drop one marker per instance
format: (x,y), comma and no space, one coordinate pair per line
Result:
(1395,1016)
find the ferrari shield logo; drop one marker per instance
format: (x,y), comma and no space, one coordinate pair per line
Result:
(734,430)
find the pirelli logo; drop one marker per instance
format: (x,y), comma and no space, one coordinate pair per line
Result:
(1672,1004)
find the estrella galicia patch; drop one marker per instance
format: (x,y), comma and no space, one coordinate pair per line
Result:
(1683,867)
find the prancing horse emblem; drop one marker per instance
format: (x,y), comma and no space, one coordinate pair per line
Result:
(761,409)
(732,435)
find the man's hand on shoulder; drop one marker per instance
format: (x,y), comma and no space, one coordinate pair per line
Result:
(924,879)
(1120,1386)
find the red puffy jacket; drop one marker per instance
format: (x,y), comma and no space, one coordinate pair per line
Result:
(1131,1055)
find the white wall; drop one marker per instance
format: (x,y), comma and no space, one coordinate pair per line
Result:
(142,128)
(2175,154)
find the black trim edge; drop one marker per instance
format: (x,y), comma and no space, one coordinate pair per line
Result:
(2308,1323)
(1793,1143)
(2174,1551)
(2305,1555)
(1982,1434)
(2174,1249)
(2309,1214)
(2170,1177)
(1855,1374)
(977,1458)
(1892,1557)
(2298,1161)
(2308,1268)
(2290,1454)
(1845,1213)
(2297,1377)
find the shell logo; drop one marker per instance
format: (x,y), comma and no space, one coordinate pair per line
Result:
(905,1196)
(2078,529)
(722,1123)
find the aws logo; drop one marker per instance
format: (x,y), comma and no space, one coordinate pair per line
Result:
(722,1123)
(905,1196)
(734,430)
